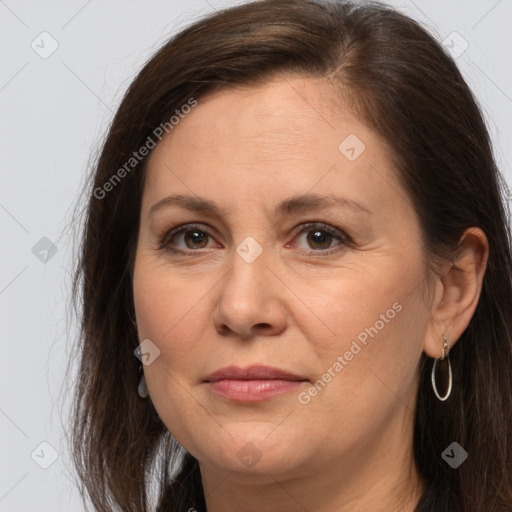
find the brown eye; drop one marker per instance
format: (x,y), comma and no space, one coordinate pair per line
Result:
(185,239)
(195,239)
(320,237)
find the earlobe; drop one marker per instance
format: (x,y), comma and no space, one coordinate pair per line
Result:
(458,290)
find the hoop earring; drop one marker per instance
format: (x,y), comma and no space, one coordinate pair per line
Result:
(447,372)
(142,390)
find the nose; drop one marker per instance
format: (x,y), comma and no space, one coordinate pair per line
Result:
(249,301)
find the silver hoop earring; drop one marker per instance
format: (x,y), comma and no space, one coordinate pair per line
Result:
(142,390)
(445,369)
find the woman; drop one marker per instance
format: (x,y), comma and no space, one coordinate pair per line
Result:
(295,276)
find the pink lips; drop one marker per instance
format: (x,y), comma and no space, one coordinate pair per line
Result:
(253,383)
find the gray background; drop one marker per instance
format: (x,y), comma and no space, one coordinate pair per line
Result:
(54,112)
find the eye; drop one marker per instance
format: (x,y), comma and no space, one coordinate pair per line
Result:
(193,237)
(320,237)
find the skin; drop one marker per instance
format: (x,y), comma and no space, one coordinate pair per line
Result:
(350,446)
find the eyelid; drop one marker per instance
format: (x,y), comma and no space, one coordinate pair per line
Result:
(321,226)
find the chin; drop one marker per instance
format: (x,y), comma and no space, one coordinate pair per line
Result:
(254,448)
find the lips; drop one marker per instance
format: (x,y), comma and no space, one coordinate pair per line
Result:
(256,372)
(252,384)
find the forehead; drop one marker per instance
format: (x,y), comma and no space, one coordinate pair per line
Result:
(250,148)
(273,115)
(288,120)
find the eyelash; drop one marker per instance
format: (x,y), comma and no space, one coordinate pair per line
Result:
(164,243)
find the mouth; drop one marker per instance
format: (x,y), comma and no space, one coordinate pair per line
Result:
(252,384)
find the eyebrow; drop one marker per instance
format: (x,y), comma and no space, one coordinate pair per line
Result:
(295,204)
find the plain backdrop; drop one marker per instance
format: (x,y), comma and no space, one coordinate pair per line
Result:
(64,69)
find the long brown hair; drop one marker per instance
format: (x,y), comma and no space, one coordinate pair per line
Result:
(406,87)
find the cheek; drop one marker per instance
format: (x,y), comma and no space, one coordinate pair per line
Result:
(375,323)
(173,312)
(167,312)
(375,304)
(367,376)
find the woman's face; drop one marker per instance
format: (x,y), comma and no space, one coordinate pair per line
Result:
(297,251)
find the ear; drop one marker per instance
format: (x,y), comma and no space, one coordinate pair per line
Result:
(457,291)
